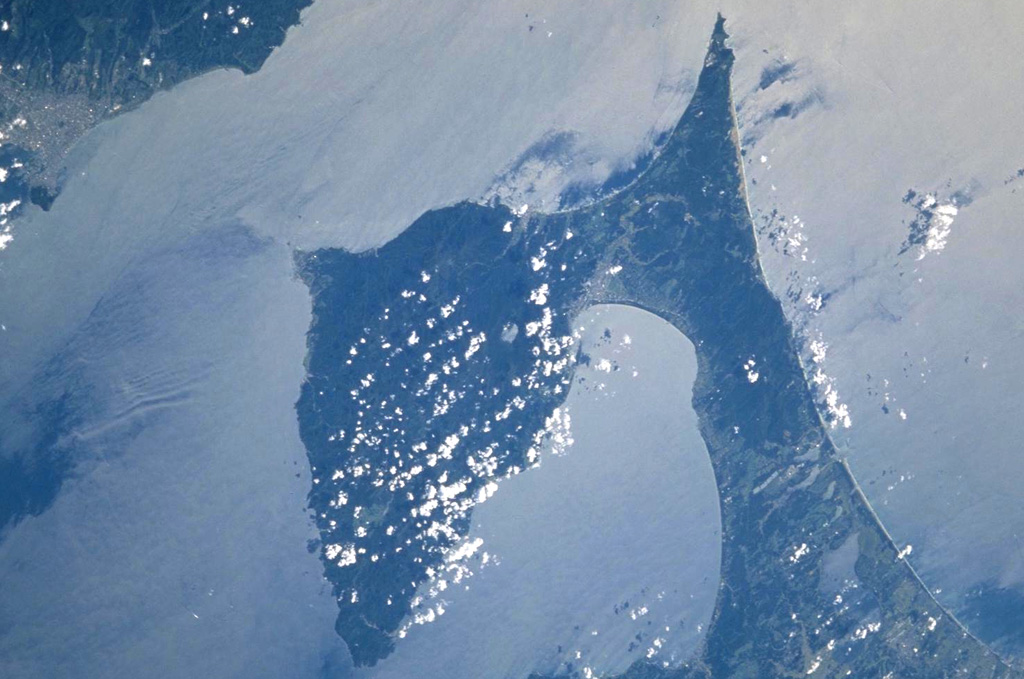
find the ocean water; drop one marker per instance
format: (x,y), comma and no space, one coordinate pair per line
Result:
(156,305)
(177,545)
(607,552)
(921,343)
(198,396)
